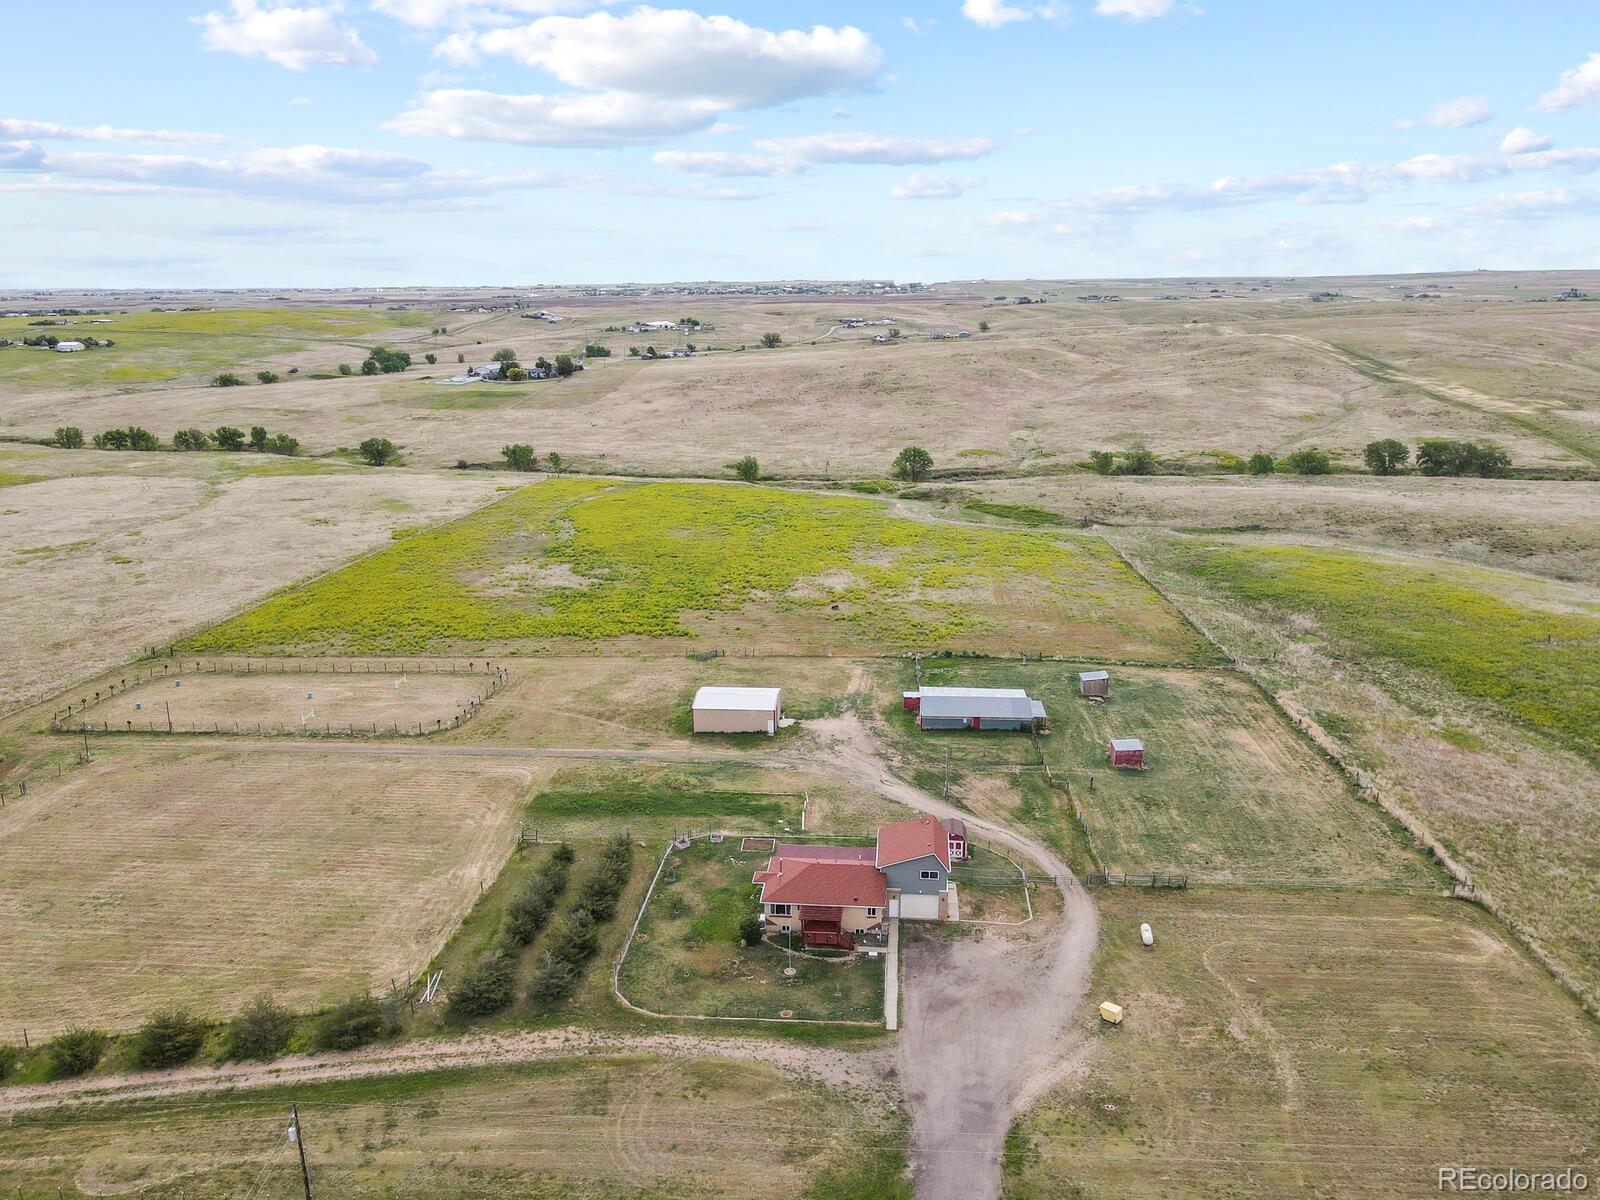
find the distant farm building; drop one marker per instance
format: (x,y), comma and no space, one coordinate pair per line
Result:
(975,708)
(1127,752)
(1094,683)
(738,710)
(68,347)
(493,370)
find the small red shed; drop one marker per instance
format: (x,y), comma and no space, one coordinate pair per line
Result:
(956,829)
(911,701)
(1127,752)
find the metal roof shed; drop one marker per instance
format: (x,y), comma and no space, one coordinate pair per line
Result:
(737,710)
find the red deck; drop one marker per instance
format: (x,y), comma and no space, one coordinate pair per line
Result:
(820,926)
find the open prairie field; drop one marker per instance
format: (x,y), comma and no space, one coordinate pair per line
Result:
(173,347)
(666,565)
(1230,793)
(639,1127)
(1304,1044)
(150,878)
(312,703)
(1545,527)
(1465,695)
(687,959)
(96,567)
(1043,386)
(635,702)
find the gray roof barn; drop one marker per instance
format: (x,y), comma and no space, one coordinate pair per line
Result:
(988,703)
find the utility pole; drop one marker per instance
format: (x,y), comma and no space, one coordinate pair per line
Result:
(300,1141)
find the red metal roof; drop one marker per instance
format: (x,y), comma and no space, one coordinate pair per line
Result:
(905,841)
(825,853)
(830,884)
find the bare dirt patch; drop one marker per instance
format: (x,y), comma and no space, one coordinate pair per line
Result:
(310,703)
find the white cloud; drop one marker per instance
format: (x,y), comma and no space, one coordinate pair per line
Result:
(1521,140)
(656,74)
(1577,85)
(1134,10)
(1452,114)
(434,14)
(1553,202)
(677,54)
(292,37)
(726,165)
(592,119)
(992,14)
(1338,183)
(49,131)
(923,186)
(871,148)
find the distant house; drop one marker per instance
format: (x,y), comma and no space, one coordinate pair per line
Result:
(1094,683)
(680,352)
(829,894)
(975,708)
(492,370)
(1127,752)
(68,347)
(737,710)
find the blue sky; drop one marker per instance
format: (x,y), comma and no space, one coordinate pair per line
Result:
(372,142)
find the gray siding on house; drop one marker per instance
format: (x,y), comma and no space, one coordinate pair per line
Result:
(946,723)
(907,876)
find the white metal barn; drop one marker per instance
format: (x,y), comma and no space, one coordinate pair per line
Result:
(738,710)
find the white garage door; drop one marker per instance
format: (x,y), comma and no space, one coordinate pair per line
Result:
(919,908)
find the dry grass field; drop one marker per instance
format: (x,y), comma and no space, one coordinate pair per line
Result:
(1340,1046)
(1230,792)
(313,703)
(1047,383)
(636,702)
(148,878)
(627,1128)
(94,567)
(1503,778)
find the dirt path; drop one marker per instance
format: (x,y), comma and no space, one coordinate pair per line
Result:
(985,1018)
(865,1071)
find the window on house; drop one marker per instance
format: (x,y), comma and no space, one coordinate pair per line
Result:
(872,912)
(930,874)
(778,910)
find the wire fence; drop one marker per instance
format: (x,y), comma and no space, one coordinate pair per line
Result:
(74,718)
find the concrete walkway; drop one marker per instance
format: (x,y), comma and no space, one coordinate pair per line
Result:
(891,978)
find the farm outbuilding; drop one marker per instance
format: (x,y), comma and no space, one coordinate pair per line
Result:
(1094,683)
(975,708)
(1127,752)
(738,710)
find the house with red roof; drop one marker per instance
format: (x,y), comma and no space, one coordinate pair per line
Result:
(829,894)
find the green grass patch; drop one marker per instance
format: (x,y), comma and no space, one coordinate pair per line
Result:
(589,559)
(1539,666)
(687,959)
(1023,514)
(11,479)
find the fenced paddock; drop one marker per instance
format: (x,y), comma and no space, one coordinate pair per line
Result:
(348,699)
(151,877)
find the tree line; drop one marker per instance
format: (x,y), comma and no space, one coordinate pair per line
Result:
(223,437)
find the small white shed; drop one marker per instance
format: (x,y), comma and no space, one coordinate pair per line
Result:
(738,710)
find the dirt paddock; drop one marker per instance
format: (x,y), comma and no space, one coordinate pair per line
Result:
(311,703)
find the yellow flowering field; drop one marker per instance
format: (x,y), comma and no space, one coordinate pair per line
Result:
(724,565)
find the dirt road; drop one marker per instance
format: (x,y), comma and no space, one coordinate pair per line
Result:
(985,1018)
(860,1071)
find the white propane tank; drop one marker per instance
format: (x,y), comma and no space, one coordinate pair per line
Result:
(1147,935)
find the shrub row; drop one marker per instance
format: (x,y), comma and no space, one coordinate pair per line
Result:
(577,939)
(224,437)
(491,985)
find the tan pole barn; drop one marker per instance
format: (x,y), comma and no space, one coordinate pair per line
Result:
(738,710)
